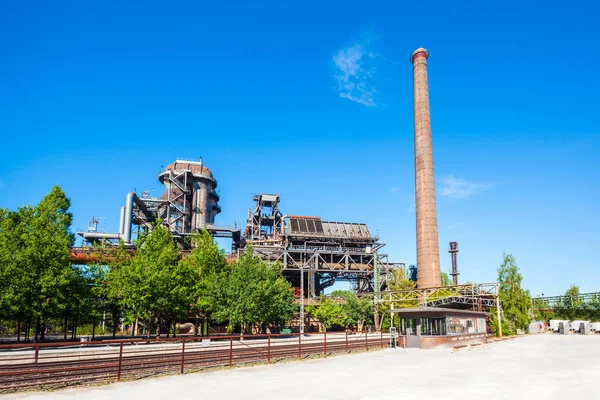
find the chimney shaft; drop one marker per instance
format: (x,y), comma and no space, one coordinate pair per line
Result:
(428,252)
(453,250)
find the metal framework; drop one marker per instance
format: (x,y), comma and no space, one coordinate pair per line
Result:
(189,203)
(312,253)
(579,301)
(475,296)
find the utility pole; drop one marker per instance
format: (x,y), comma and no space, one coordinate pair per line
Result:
(377,284)
(302,299)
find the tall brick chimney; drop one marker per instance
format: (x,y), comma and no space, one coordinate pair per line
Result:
(428,252)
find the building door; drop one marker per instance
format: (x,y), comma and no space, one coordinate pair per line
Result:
(413,333)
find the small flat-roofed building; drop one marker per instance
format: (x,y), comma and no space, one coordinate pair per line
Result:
(436,327)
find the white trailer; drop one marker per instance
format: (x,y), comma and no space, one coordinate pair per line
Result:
(576,325)
(555,324)
(595,326)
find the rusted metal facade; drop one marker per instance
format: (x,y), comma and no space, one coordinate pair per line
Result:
(314,253)
(428,257)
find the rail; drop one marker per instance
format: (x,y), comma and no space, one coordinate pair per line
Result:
(53,365)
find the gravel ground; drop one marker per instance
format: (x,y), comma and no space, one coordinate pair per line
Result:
(531,367)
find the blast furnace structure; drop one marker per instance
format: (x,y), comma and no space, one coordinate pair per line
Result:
(190,202)
(314,254)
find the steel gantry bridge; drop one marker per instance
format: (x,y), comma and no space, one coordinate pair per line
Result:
(574,301)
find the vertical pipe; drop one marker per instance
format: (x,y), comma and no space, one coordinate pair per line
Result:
(268,348)
(301,299)
(120,361)
(128,217)
(453,250)
(37,354)
(182,354)
(300,347)
(367,340)
(230,351)
(428,257)
(498,314)
(122,221)
(325,342)
(346,341)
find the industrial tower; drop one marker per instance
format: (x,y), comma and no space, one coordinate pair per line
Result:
(428,252)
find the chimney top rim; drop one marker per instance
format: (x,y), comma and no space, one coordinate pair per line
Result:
(420,50)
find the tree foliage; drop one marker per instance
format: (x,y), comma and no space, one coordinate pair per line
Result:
(516,301)
(342,308)
(446,281)
(38,280)
(153,284)
(573,306)
(250,293)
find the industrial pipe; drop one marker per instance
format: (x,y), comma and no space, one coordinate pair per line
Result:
(453,250)
(128,217)
(128,220)
(122,221)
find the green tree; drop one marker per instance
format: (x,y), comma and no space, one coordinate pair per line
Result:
(35,259)
(329,312)
(206,262)
(446,281)
(250,293)
(571,306)
(357,310)
(516,301)
(152,284)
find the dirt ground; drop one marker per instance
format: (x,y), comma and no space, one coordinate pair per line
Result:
(531,367)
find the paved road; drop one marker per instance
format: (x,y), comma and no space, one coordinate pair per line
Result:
(533,367)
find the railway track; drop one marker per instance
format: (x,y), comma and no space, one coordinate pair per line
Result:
(64,364)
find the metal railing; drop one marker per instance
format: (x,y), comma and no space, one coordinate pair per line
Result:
(51,365)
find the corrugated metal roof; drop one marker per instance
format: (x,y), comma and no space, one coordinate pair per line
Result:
(313,226)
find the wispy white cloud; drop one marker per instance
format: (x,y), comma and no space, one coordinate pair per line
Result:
(456,225)
(354,71)
(461,188)
(395,190)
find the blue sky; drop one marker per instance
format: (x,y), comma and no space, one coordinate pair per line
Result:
(314,100)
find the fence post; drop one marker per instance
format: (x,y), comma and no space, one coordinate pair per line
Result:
(346,341)
(381,341)
(37,353)
(325,342)
(366,340)
(182,354)
(300,346)
(230,351)
(268,348)
(120,361)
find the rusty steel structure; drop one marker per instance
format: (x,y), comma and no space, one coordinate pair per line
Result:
(313,253)
(428,258)
(453,250)
(190,202)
